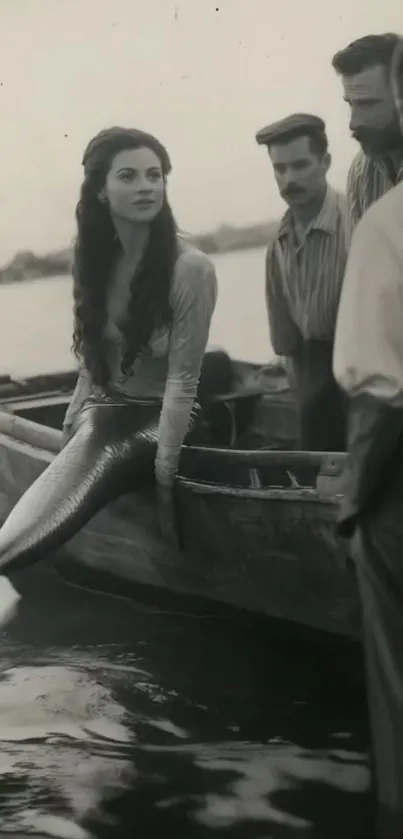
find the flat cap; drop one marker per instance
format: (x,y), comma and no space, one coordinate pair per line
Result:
(289,125)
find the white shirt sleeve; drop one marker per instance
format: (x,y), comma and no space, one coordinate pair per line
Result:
(368,351)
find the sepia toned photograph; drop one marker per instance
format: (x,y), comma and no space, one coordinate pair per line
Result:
(201,419)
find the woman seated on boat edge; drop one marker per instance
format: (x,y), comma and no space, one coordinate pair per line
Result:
(143,303)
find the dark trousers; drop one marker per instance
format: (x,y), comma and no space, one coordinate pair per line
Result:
(380,575)
(321,404)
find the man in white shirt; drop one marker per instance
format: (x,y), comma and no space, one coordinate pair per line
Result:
(368,365)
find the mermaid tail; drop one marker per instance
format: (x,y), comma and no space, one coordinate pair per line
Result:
(111,453)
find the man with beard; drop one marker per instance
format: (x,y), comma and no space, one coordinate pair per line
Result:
(305,265)
(364,67)
(368,364)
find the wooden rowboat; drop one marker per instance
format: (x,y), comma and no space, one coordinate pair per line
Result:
(257,526)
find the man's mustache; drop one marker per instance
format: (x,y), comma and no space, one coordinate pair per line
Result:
(367,134)
(360,135)
(291,191)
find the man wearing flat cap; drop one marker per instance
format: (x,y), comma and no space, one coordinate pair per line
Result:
(305,264)
(368,364)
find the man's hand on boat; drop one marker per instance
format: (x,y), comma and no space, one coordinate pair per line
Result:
(167,514)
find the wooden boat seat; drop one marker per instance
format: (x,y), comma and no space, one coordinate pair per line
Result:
(265,469)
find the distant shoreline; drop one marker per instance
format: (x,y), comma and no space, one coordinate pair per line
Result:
(26,266)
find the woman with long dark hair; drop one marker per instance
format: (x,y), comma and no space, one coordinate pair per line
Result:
(143,303)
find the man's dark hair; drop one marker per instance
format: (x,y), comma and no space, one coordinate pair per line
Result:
(318,139)
(366,52)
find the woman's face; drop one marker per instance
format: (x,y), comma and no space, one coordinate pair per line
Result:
(135,186)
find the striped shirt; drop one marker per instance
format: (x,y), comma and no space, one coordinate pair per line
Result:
(304,278)
(368,179)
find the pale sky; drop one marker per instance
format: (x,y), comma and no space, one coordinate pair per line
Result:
(202,76)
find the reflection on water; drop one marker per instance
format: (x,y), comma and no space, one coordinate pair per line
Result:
(117,720)
(64,747)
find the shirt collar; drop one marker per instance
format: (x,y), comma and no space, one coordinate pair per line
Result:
(387,166)
(326,220)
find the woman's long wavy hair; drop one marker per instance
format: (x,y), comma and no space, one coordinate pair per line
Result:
(96,248)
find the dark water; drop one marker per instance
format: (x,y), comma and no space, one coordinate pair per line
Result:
(117,720)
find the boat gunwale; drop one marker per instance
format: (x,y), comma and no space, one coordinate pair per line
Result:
(272,493)
(272,457)
(50,439)
(199,487)
(33,433)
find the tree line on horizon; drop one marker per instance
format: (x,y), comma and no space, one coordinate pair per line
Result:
(27,265)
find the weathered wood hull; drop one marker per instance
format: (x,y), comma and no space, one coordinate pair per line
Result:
(269,550)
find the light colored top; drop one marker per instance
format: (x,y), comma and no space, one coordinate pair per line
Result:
(368,179)
(304,276)
(169,368)
(368,352)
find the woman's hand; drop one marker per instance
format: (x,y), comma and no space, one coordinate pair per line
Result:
(167,515)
